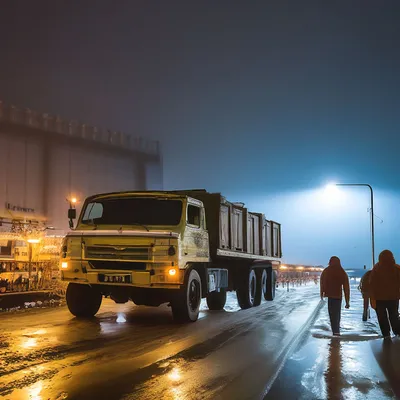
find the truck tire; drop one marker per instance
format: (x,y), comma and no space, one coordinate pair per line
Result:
(216,300)
(186,306)
(261,287)
(246,289)
(269,295)
(83,301)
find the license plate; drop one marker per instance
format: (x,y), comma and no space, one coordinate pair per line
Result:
(108,278)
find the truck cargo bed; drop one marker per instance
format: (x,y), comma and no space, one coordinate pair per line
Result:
(236,232)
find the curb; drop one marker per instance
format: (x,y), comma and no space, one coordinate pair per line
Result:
(289,349)
(6,294)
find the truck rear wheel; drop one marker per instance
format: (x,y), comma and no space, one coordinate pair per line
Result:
(246,289)
(269,295)
(216,300)
(186,306)
(261,287)
(83,300)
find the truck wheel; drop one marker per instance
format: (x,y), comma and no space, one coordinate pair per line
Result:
(261,287)
(83,300)
(269,295)
(216,300)
(185,308)
(246,289)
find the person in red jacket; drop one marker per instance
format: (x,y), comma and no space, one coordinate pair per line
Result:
(334,281)
(385,293)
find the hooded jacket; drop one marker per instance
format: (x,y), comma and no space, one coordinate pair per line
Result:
(333,281)
(385,282)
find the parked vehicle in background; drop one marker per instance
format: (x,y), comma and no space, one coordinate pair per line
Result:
(168,247)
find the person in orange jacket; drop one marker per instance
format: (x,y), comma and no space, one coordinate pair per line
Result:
(385,293)
(333,282)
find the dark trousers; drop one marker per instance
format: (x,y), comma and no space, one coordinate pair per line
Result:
(385,309)
(334,309)
(366,308)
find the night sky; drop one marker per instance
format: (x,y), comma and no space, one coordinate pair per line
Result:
(264,101)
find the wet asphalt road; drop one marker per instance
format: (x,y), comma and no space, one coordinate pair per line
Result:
(130,352)
(357,365)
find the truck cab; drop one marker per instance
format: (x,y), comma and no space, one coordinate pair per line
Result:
(133,246)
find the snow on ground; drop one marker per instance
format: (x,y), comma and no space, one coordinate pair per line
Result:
(348,367)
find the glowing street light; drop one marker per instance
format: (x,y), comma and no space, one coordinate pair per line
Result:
(332,188)
(30,241)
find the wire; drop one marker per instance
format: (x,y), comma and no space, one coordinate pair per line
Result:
(376,216)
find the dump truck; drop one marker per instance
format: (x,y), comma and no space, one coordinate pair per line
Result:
(175,247)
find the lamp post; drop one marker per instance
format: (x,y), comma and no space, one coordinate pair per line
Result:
(30,243)
(372,212)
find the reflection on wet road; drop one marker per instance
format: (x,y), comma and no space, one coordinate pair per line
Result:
(345,367)
(130,352)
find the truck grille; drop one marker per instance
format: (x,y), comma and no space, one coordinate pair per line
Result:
(118,253)
(118,265)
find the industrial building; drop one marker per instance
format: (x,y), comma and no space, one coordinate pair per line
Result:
(46,160)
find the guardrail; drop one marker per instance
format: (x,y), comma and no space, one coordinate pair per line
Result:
(50,123)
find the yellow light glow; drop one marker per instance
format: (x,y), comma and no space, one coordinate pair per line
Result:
(34,391)
(40,332)
(283,267)
(172,272)
(28,343)
(74,200)
(175,375)
(300,268)
(33,241)
(64,265)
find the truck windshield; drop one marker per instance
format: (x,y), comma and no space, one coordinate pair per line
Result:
(133,211)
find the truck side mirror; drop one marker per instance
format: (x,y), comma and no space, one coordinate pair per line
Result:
(71,217)
(72,213)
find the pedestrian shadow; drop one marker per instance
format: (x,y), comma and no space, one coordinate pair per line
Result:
(387,354)
(333,376)
(339,368)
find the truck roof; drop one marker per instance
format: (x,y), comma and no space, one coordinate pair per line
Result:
(172,193)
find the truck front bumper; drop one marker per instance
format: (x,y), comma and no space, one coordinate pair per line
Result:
(80,272)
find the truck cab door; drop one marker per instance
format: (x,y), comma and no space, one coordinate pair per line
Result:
(196,243)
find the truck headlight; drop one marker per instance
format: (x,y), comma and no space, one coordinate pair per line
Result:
(64,265)
(172,272)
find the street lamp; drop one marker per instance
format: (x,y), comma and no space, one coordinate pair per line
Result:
(30,241)
(334,185)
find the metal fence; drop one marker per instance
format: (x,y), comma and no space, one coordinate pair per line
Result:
(50,123)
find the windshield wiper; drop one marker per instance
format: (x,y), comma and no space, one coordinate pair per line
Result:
(139,224)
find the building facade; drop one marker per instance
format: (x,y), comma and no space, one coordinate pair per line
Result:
(46,160)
